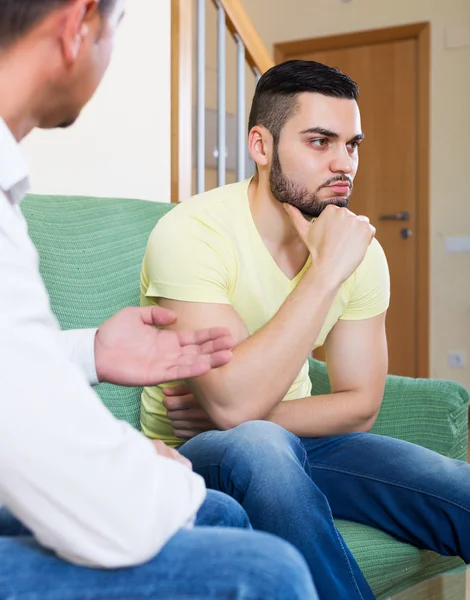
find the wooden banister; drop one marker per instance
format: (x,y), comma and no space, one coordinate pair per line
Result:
(181,99)
(239,23)
(256,54)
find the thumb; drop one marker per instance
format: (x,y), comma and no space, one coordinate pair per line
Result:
(299,222)
(155,315)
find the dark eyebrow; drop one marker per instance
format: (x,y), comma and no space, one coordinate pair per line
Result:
(320,131)
(330,134)
(358,138)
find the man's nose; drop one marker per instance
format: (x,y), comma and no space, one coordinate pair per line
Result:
(342,162)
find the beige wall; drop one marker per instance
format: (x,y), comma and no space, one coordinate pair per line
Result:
(282,20)
(120,145)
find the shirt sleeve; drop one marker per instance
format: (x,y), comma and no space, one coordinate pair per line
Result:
(79,346)
(369,294)
(89,487)
(187,260)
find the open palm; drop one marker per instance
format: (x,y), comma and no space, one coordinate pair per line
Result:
(130,350)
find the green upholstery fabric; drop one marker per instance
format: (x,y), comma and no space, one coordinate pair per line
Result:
(90,255)
(427,412)
(91,251)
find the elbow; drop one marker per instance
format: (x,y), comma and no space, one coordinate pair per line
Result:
(226,411)
(368,421)
(226,419)
(366,425)
(227,422)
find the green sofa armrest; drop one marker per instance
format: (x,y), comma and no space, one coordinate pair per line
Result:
(431,413)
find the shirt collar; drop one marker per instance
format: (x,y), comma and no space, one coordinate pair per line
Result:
(14,175)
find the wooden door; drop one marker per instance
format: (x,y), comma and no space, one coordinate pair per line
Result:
(386,186)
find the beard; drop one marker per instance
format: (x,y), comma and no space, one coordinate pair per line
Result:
(289,192)
(66,124)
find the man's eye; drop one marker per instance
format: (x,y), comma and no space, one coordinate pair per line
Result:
(319,142)
(353,145)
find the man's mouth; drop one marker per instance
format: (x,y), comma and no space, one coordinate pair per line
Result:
(340,187)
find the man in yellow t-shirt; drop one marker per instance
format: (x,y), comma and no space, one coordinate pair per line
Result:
(283,264)
(218,257)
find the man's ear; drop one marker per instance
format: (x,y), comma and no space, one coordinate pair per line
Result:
(78,19)
(260,143)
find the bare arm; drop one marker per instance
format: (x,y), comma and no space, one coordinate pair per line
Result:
(357,361)
(265,365)
(259,375)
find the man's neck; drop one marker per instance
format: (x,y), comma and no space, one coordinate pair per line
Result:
(19,90)
(270,217)
(276,229)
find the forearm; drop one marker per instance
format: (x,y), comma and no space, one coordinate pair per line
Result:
(265,364)
(325,415)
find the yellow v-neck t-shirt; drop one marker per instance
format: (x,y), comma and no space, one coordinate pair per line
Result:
(208,249)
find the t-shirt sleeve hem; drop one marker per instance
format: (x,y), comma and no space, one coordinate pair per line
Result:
(362,315)
(185,293)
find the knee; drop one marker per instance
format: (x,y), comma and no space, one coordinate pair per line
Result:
(263,434)
(262,441)
(220,510)
(250,448)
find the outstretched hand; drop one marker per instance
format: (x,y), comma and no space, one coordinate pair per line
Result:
(131,351)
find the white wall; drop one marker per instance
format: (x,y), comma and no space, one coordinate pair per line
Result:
(120,147)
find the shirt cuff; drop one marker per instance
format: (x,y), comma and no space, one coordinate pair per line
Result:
(79,344)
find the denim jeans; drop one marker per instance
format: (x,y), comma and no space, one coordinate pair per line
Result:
(226,561)
(294,487)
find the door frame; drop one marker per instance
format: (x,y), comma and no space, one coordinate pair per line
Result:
(421,32)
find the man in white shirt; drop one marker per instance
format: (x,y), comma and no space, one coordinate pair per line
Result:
(73,479)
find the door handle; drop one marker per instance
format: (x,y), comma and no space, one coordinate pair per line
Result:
(401,216)
(405,233)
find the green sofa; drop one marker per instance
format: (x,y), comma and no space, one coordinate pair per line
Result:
(90,255)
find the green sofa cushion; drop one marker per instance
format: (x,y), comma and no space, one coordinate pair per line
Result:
(91,251)
(428,412)
(389,565)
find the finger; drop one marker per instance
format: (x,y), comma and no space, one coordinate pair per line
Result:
(178,390)
(204,335)
(192,415)
(223,343)
(155,315)
(192,425)
(188,366)
(187,371)
(363,218)
(186,434)
(219,359)
(162,449)
(172,404)
(182,459)
(297,219)
(179,403)
(193,366)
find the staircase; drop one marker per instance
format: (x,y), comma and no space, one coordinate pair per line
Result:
(190,117)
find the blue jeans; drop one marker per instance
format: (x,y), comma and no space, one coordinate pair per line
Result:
(199,564)
(294,487)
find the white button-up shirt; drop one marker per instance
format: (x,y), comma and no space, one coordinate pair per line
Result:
(90,487)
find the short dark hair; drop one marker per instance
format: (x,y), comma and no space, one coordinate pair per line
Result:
(275,99)
(17,17)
